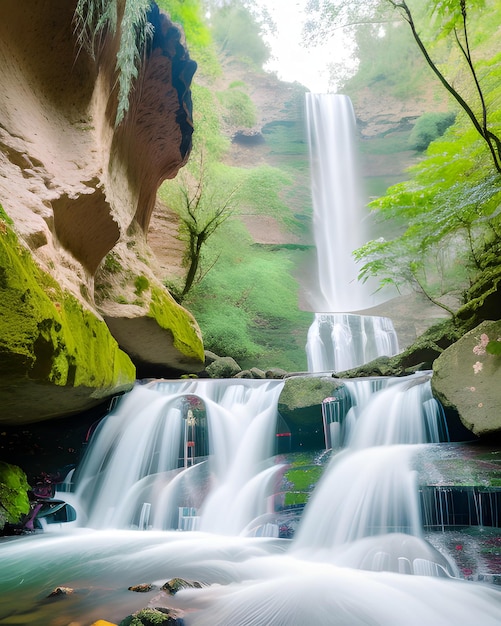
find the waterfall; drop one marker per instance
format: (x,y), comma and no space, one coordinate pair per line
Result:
(339,342)
(336,340)
(132,476)
(358,557)
(370,487)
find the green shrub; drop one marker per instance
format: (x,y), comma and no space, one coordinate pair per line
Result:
(429,127)
(239,108)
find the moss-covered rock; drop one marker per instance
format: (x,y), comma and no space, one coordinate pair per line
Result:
(152,617)
(467,377)
(300,404)
(417,357)
(223,367)
(56,357)
(14,488)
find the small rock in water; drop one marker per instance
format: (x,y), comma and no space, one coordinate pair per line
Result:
(153,617)
(174,585)
(61,591)
(142,588)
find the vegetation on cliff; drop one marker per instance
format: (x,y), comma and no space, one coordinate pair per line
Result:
(243,295)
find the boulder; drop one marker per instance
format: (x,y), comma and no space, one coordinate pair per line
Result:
(153,617)
(300,405)
(466,378)
(223,367)
(276,373)
(78,186)
(174,585)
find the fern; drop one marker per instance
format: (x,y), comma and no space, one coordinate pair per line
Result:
(94,18)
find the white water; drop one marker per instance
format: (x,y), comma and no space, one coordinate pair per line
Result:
(357,559)
(337,341)
(130,477)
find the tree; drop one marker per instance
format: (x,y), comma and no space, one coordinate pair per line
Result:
(239,31)
(203,203)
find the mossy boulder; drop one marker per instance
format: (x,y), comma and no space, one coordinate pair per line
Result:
(467,377)
(417,357)
(223,367)
(300,404)
(56,356)
(152,617)
(14,488)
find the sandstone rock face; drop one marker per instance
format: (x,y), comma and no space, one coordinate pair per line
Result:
(467,378)
(78,192)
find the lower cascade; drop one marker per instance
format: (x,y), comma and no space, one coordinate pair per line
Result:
(183,479)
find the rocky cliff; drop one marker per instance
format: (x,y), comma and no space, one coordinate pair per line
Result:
(81,310)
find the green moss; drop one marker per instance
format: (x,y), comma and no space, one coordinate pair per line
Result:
(46,333)
(14,501)
(111,263)
(141,283)
(171,316)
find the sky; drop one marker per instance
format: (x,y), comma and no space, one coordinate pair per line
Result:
(292,62)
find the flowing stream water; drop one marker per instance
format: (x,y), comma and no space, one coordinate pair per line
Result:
(200,455)
(338,339)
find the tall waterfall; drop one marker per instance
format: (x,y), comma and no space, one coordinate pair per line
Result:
(340,227)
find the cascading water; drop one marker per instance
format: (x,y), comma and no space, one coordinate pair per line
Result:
(337,340)
(133,478)
(358,556)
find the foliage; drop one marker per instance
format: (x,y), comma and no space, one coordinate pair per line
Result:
(239,110)
(94,18)
(449,212)
(14,501)
(239,33)
(429,127)
(189,13)
(207,136)
(388,62)
(248,308)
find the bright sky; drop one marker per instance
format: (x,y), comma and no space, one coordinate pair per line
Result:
(293,62)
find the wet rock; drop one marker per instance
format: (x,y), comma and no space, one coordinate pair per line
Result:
(142,587)
(153,617)
(257,373)
(61,591)
(174,585)
(14,502)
